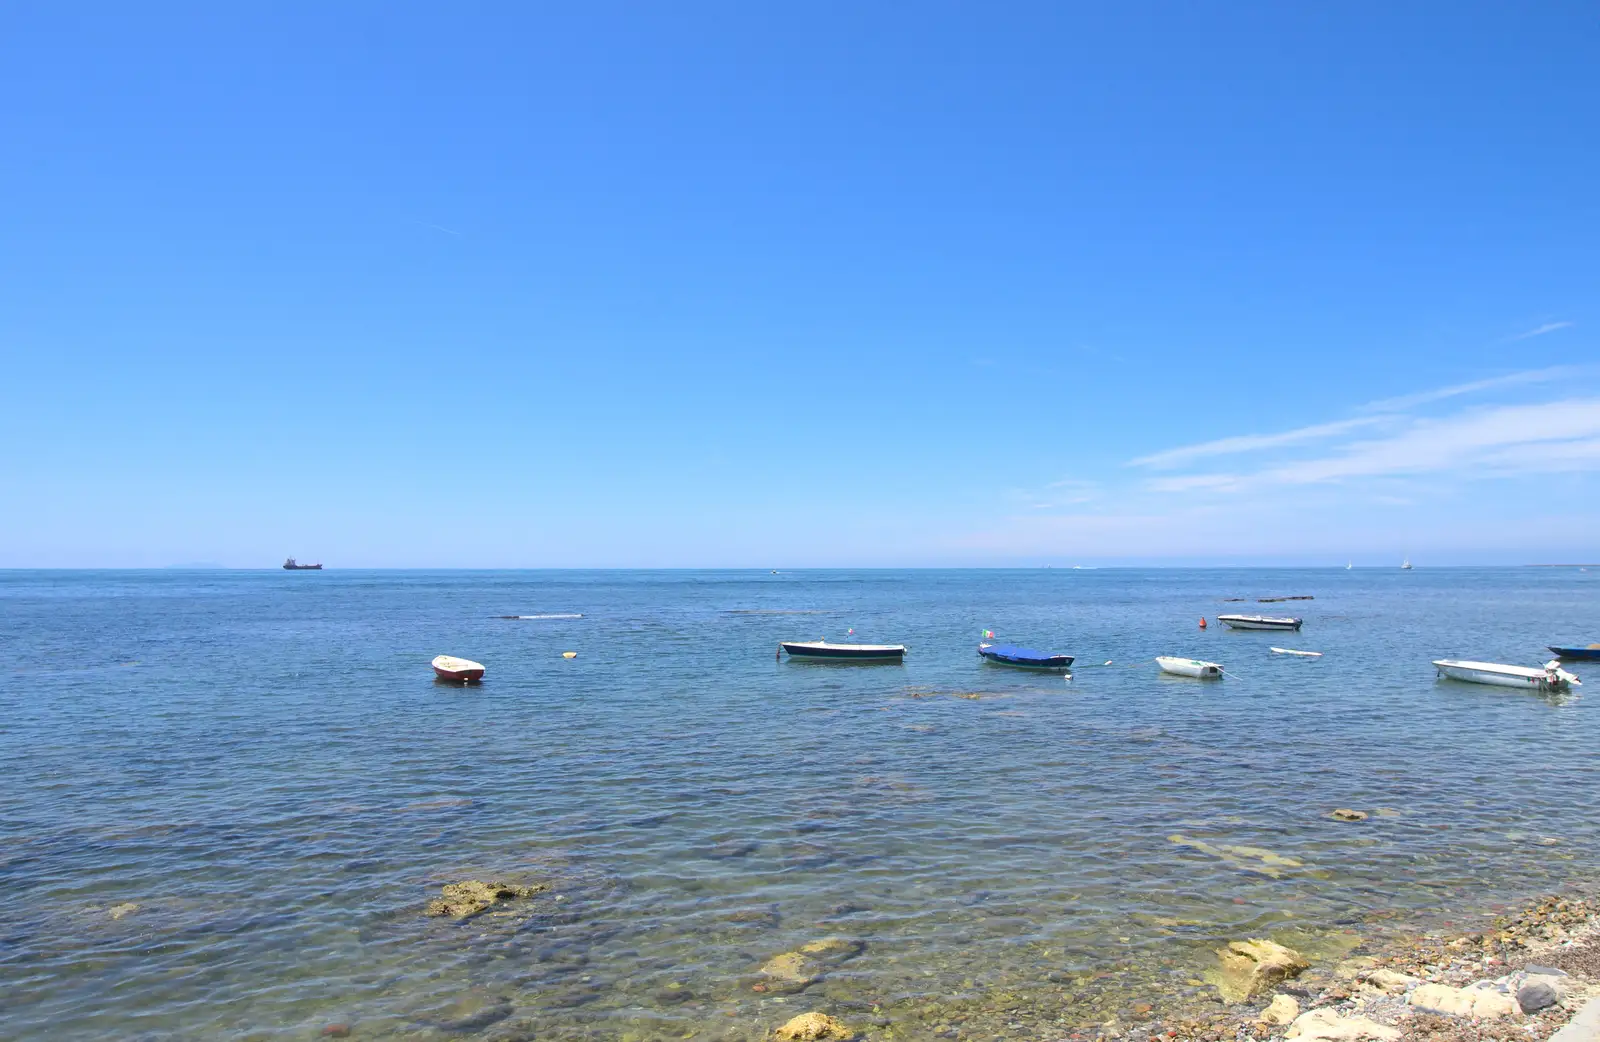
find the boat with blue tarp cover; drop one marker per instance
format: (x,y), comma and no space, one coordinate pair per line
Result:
(1023,658)
(1588,654)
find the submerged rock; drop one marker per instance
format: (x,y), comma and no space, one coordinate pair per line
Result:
(1346,814)
(466,899)
(1324,1024)
(1251,967)
(807,964)
(118,911)
(812,1026)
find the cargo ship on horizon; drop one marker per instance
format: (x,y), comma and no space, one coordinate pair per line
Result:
(291,566)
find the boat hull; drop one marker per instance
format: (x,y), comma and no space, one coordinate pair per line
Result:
(1025,658)
(457,670)
(1577,654)
(1496,675)
(1190,667)
(823,652)
(1256,622)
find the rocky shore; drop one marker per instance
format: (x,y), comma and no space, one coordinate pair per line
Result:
(1524,978)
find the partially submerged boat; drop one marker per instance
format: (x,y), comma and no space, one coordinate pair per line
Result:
(1292,651)
(1260,622)
(826,651)
(1023,658)
(1549,677)
(460,670)
(1588,654)
(1190,667)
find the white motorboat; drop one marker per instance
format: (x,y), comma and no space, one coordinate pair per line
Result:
(1189,667)
(1291,651)
(1259,622)
(1549,677)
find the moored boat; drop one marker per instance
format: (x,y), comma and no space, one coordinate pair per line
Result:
(461,670)
(1189,667)
(1549,677)
(1023,658)
(825,651)
(1292,651)
(1588,654)
(1260,622)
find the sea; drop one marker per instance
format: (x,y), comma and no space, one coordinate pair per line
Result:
(229,795)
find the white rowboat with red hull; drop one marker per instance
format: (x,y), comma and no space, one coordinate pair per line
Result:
(461,670)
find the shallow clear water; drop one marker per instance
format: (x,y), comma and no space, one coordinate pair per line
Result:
(262,763)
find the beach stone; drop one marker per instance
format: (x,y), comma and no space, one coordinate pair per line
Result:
(808,1027)
(1391,981)
(1325,1024)
(1482,1003)
(1346,814)
(466,899)
(1282,1010)
(1251,967)
(118,911)
(1536,994)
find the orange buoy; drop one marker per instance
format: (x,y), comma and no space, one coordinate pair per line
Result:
(1202,622)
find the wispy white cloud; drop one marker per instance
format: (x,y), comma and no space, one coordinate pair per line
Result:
(1548,327)
(1375,414)
(1530,376)
(1252,442)
(1549,435)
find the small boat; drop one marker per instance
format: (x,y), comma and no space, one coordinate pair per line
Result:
(1023,658)
(1405,566)
(1259,622)
(461,670)
(1588,654)
(1291,651)
(824,651)
(1189,667)
(1549,677)
(291,566)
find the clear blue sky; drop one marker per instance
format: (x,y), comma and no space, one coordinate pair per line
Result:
(504,284)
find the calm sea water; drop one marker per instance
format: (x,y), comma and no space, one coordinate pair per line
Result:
(263,765)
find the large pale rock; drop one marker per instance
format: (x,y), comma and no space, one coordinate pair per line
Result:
(807,964)
(1390,981)
(467,899)
(1248,968)
(1282,1010)
(1485,1002)
(808,1027)
(1324,1025)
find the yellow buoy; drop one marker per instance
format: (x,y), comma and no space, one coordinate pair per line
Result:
(569,654)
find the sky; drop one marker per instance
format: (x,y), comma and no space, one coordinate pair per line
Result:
(761,285)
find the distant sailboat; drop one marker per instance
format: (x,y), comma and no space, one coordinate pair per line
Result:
(1405,566)
(1349,565)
